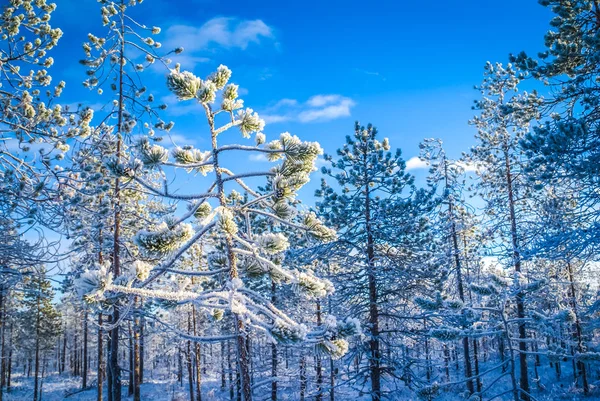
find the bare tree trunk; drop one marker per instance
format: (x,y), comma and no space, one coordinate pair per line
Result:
(2,351)
(100,359)
(136,357)
(109,375)
(179,365)
(197,357)
(319,367)
(222,360)
(64,351)
(85,348)
(501,350)
(230,370)
(131,368)
(427,356)
(37,349)
(188,357)
(302,376)
(142,340)
(446,361)
(2,341)
(10,358)
(331,380)
(274,360)
(476,363)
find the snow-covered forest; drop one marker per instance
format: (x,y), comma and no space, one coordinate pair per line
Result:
(252,266)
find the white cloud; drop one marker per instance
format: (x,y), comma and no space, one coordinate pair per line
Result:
(322,100)
(258,157)
(274,118)
(316,108)
(468,167)
(415,163)
(225,32)
(179,139)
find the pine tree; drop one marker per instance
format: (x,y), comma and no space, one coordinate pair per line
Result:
(41,320)
(111,61)
(381,222)
(236,252)
(449,175)
(563,150)
(504,119)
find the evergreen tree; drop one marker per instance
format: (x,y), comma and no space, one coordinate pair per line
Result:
(236,252)
(504,119)
(382,226)
(40,320)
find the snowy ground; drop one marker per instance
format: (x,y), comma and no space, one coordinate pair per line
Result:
(163,387)
(56,388)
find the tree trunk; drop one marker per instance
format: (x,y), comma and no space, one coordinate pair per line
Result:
(131,366)
(197,357)
(476,363)
(109,375)
(374,356)
(520,297)
(223,381)
(230,370)
(459,281)
(115,369)
(319,367)
(10,358)
(446,362)
(302,376)
(136,359)
(581,369)
(100,359)
(2,323)
(142,324)
(188,357)
(37,350)
(85,348)
(2,342)
(274,360)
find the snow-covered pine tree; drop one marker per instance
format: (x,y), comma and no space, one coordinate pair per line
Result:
(567,144)
(504,119)
(215,214)
(382,248)
(448,175)
(34,129)
(116,61)
(40,320)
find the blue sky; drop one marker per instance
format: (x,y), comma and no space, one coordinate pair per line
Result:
(314,67)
